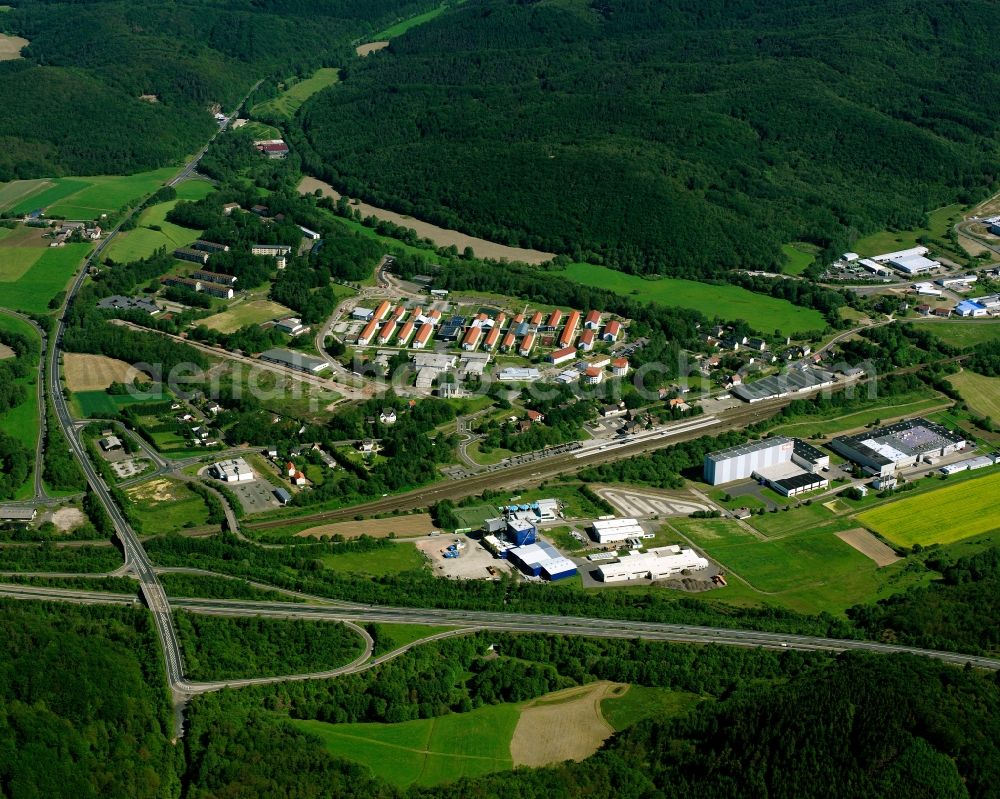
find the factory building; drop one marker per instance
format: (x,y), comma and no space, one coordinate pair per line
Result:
(294,360)
(521,532)
(541,560)
(232,471)
(739,463)
(809,457)
(614,531)
(880,452)
(654,564)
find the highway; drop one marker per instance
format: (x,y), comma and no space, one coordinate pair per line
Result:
(470,620)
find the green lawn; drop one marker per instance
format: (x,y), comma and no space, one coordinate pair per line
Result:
(43,194)
(21,422)
(980,392)
(396,559)
(97,404)
(181,510)
(939,517)
(245,313)
(291,100)
(48,275)
(798,257)
(640,702)
(966,333)
(575,504)
(810,571)
(476,515)
(89,197)
(939,221)
(908,404)
(393,636)
(764,313)
(402,27)
(426,751)
(143,241)
(15,261)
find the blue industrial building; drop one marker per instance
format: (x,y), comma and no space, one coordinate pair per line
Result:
(542,560)
(521,532)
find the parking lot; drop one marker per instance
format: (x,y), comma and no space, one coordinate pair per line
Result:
(472,563)
(255,497)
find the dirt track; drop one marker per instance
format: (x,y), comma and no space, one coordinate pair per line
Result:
(442,237)
(567,725)
(417,524)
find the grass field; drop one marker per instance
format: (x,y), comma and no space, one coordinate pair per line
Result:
(765,314)
(83,197)
(809,571)
(980,392)
(798,257)
(402,27)
(247,313)
(45,277)
(167,506)
(84,372)
(143,241)
(639,703)
(884,241)
(291,100)
(392,560)
(21,422)
(908,404)
(97,404)
(475,515)
(939,517)
(967,333)
(393,636)
(426,751)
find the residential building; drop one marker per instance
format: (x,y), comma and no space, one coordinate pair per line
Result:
(562,356)
(509,340)
(472,337)
(406,333)
(195,256)
(387,332)
(593,321)
(312,235)
(527,343)
(368,333)
(612,330)
(569,332)
(219,278)
(382,310)
(587,340)
(423,336)
(272,250)
(210,247)
(554,319)
(619,367)
(592,375)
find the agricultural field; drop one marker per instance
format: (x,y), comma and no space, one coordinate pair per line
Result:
(631,704)
(83,198)
(798,257)
(564,725)
(980,392)
(85,372)
(809,571)
(942,516)
(98,404)
(963,334)
(910,404)
(726,302)
(46,275)
(10,47)
(289,101)
(393,560)
(938,223)
(167,506)
(426,751)
(143,241)
(402,27)
(20,248)
(247,313)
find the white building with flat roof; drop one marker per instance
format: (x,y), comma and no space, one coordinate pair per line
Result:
(235,470)
(653,564)
(739,463)
(613,531)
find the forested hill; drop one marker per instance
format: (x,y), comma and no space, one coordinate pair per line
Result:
(669,135)
(72,105)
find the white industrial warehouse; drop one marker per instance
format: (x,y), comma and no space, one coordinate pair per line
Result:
(614,531)
(653,564)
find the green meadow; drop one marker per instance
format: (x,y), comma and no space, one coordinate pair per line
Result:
(84,197)
(725,302)
(938,223)
(143,241)
(289,101)
(49,271)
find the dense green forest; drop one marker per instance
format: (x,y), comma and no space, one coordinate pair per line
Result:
(669,136)
(72,105)
(84,710)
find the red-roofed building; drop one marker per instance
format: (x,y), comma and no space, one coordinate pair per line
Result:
(492,337)
(423,336)
(527,344)
(518,319)
(388,330)
(368,333)
(508,342)
(406,333)
(593,376)
(382,310)
(555,318)
(587,340)
(619,367)
(561,356)
(611,330)
(536,319)
(535,416)
(472,336)
(593,320)
(569,332)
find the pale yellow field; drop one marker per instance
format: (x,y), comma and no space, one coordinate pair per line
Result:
(982,393)
(10,47)
(248,313)
(6,352)
(95,372)
(566,725)
(869,546)
(371,47)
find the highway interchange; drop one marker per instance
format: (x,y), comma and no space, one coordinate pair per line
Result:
(138,565)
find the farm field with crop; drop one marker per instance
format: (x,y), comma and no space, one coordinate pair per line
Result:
(289,101)
(726,302)
(942,516)
(47,275)
(82,197)
(144,239)
(967,333)
(980,392)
